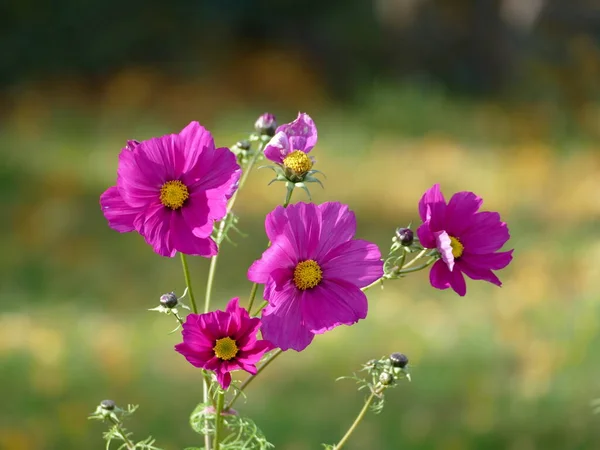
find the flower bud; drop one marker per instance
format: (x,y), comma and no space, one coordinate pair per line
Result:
(399,360)
(405,236)
(243,144)
(266,124)
(107,405)
(386,378)
(169,300)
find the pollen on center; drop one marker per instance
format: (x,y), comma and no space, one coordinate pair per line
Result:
(457,247)
(173,194)
(298,161)
(225,348)
(307,274)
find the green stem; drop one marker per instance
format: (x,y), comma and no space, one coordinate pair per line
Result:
(248,380)
(188,281)
(130,445)
(377,281)
(260,308)
(288,197)
(358,419)
(252,296)
(412,261)
(178,318)
(219,419)
(416,269)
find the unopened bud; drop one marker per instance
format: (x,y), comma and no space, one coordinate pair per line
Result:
(169,300)
(405,236)
(386,378)
(266,124)
(243,144)
(399,360)
(107,405)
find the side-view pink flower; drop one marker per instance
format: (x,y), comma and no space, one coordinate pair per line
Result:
(467,240)
(313,272)
(171,190)
(292,142)
(223,341)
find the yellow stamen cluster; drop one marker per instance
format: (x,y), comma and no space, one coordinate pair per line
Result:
(457,247)
(307,274)
(173,194)
(225,348)
(298,162)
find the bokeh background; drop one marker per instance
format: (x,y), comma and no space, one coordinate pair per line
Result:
(500,97)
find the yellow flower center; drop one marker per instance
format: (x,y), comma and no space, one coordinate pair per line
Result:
(457,247)
(225,348)
(173,194)
(307,275)
(298,162)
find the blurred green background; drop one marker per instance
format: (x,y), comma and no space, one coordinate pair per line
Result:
(497,97)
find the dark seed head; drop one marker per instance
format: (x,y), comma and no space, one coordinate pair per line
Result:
(108,405)
(399,360)
(405,236)
(169,300)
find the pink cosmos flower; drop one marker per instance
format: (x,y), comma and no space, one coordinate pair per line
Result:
(466,239)
(313,272)
(223,341)
(171,190)
(292,142)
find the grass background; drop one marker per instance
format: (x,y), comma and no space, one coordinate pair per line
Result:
(502,368)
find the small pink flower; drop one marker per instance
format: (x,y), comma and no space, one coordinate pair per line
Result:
(223,341)
(467,240)
(171,190)
(313,272)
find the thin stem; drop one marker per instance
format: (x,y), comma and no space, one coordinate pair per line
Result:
(248,380)
(288,197)
(252,296)
(377,281)
(260,308)
(188,281)
(205,384)
(130,445)
(358,419)
(412,261)
(416,269)
(219,419)
(177,317)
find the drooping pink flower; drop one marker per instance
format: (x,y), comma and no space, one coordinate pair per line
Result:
(223,341)
(313,272)
(292,142)
(171,190)
(467,240)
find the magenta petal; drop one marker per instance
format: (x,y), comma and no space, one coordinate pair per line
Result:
(478,273)
(282,325)
(119,214)
(457,282)
(439,275)
(272,259)
(196,213)
(196,140)
(356,262)
(461,207)
(332,304)
(224,378)
(278,148)
(216,169)
(302,133)
(338,226)
(432,206)
(166,152)
(139,180)
(154,226)
(442,241)
(426,237)
(493,261)
(486,233)
(184,241)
